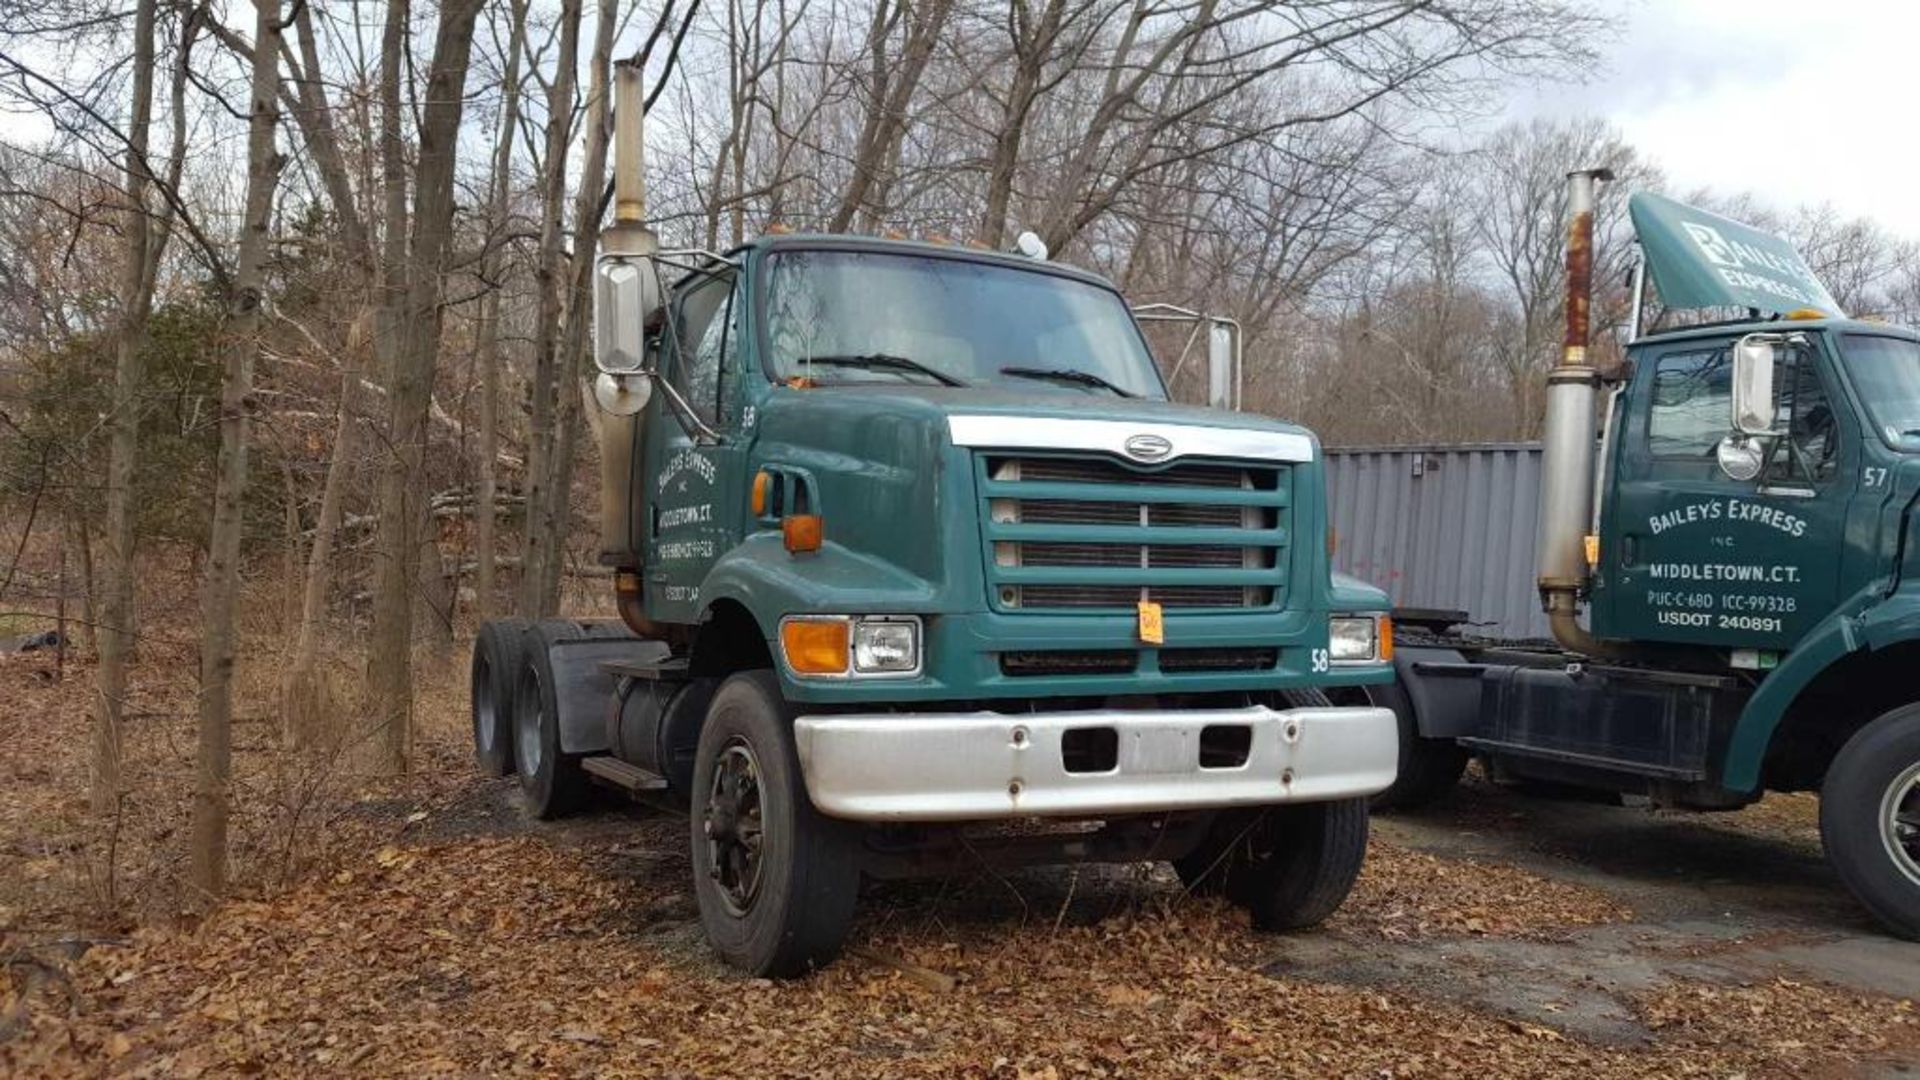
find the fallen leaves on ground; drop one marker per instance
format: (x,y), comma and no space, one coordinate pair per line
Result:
(521,954)
(1404,894)
(433,931)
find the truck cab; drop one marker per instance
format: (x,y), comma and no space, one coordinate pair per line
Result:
(918,568)
(1691,553)
(1742,538)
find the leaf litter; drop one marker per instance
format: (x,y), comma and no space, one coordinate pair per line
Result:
(442,935)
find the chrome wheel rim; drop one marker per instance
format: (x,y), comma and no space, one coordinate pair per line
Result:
(732,824)
(483,708)
(1900,822)
(527,741)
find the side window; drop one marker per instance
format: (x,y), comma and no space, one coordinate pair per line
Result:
(704,322)
(1811,451)
(1692,409)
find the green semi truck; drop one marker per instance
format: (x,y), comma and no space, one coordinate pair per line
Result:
(918,569)
(1735,511)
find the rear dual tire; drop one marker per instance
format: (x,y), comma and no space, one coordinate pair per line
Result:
(498,653)
(551,779)
(1427,769)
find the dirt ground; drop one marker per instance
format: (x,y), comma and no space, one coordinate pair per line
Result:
(427,927)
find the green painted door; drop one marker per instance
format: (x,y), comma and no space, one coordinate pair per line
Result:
(1689,555)
(693,477)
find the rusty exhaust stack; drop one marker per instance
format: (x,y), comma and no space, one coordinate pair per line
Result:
(1567,467)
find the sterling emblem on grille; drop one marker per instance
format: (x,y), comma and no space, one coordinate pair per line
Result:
(1147,447)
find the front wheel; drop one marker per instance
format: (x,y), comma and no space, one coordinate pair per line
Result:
(775,880)
(1290,866)
(1870,818)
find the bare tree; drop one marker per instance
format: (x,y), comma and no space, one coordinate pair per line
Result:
(889,91)
(541,537)
(147,235)
(409,393)
(1523,231)
(221,590)
(598,119)
(486,498)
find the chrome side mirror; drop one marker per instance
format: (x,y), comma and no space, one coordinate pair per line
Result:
(1741,457)
(626,293)
(1754,357)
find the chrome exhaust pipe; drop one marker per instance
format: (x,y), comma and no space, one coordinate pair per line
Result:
(628,236)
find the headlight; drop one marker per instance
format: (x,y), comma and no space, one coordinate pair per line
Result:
(1359,639)
(841,646)
(891,646)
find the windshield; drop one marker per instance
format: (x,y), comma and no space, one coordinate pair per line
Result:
(863,316)
(1886,371)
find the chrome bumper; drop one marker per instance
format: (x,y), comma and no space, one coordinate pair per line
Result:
(972,766)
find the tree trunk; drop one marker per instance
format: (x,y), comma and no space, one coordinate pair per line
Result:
(214,760)
(409,394)
(116,608)
(573,342)
(305,704)
(541,528)
(886,120)
(486,496)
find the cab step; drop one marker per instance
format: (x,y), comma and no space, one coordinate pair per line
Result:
(623,775)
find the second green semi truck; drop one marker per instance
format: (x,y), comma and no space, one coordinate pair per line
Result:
(919,569)
(1737,513)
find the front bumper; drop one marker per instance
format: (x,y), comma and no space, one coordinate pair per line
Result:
(983,765)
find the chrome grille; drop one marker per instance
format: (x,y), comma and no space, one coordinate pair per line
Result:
(1085,533)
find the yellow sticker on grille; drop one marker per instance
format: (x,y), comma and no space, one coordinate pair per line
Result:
(1153,629)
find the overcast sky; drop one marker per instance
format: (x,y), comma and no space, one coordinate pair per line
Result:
(1797,102)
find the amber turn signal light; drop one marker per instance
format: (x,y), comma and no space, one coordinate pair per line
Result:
(815,646)
(1386,638)
(801,532)
(762,482)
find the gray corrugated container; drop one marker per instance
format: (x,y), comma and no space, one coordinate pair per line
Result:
(1443,527)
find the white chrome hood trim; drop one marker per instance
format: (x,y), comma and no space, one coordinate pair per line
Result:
(1111,436)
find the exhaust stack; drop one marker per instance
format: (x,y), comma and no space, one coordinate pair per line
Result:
(629,238)
(1573,391)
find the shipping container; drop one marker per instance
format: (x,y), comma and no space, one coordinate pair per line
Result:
(1448,527)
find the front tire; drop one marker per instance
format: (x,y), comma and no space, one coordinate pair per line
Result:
(1870,818)
(776,880)
(1290,866)
(497,656)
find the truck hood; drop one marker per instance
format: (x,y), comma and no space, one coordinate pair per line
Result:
(893,481)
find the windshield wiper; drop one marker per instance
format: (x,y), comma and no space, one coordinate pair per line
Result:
(1067,375)
(883,362)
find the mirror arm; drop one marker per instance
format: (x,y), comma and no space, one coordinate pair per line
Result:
(684,413)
